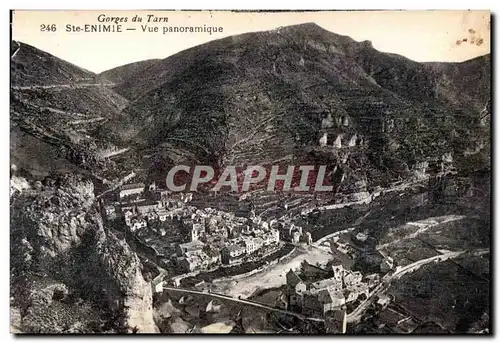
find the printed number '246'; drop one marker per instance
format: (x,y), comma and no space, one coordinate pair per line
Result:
(48,28)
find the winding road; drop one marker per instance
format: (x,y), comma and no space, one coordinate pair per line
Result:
(356,315)
(86,121)
(63,86)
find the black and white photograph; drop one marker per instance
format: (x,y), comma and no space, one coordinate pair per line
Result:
(250,172)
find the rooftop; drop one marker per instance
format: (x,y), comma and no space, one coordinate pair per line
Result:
(324,283)
(258,240)
(190,246)
(357,288)
(133,186)
(326,296)
(234,247)
(145,202)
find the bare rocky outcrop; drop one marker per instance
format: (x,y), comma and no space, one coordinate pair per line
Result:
(57,235)
(124,268)
(18,184)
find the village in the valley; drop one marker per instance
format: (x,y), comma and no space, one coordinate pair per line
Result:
(192,246)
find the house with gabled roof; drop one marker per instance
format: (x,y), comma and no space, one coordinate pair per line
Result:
(131,189)
(318,297)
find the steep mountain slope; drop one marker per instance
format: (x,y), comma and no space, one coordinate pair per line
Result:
(61,106)
(271,96)
(128,72)
(471,80)
(31,66)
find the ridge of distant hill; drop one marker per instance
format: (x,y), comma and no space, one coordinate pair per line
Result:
(128,72)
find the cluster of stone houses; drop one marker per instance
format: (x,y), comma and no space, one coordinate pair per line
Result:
(199,239)
(140,211)
(218,237)
(191,256)
(290,232)
(241,247)
(317,298)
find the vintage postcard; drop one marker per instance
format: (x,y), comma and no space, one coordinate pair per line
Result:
(267,172)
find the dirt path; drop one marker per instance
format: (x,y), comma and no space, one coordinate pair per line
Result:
(423,226)
(86,121)
(114,153)
(63,86)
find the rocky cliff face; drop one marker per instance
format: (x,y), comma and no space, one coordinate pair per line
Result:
(123,267)
(67,273)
